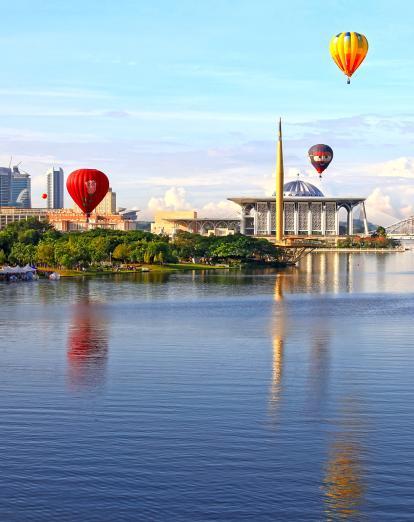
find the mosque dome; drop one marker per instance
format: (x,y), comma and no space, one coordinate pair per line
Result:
(301,189)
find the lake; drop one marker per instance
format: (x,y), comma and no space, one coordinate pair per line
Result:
(220,395)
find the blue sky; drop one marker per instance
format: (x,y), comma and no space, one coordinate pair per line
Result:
(177,100)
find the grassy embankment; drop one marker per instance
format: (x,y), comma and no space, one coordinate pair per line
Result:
(139,269)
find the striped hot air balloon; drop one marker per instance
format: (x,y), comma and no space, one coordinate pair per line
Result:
(348,51)
(320,156)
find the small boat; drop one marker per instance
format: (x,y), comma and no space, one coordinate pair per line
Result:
(54,276)
(145,269)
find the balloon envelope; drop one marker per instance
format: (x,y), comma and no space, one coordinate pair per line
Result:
(348,51)
(87,187)
(320,156)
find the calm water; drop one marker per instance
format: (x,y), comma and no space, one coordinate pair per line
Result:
(211,396)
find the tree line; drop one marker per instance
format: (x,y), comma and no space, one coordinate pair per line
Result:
(39,243)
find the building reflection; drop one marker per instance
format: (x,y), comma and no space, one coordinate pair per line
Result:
(344,475)
(87,351)
(278,330)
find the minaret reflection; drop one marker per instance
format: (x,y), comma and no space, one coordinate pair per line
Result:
(87,345)
(278,330)
(343,482)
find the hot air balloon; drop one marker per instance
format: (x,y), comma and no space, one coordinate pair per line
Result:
(320,156)
(87,188)
(44,196)
(348,51)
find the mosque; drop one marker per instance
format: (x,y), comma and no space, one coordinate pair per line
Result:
(298,209)
(306,212)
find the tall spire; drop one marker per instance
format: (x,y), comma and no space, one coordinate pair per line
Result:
(279,185)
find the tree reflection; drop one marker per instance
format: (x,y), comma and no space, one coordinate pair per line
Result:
(87,345)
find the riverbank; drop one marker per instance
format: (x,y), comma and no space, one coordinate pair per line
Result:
(141,269)
(361,250)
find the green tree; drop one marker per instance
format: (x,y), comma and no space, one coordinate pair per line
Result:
(3,257)
(22,254)
(45,253)
(29,237)
(100,248)
(381,232)
(121,252)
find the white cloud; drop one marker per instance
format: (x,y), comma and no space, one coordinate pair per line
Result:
(379,201)
(222,209)
(397,168)
(173,199)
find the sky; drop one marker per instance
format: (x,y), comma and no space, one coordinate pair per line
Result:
(177,101)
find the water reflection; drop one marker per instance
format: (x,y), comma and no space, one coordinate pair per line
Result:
(278,328)
(319,362)
(87,351)
(343,482)
(343,476)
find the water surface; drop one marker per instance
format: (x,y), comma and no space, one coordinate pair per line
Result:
(199,396)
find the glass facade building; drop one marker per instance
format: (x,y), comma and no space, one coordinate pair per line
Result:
(20,189)
(55,188)
(15,188)
(5,186)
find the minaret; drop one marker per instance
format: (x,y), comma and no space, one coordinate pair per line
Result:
(279,186)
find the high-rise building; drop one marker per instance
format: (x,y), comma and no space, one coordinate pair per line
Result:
(15,188)
(20,189)
(108,204)
(55,186)
(5,186)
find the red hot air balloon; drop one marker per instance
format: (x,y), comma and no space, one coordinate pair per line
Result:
(44,196)
(87,188)
(320,156)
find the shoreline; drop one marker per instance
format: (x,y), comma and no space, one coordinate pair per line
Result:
(142,269)
(361,250)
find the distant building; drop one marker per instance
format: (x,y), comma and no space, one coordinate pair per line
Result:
(108,204)
(171,222)
(5,186)
(11,214)
(71,220)
(307,212)
(55,188)
(15,188)
(20,189)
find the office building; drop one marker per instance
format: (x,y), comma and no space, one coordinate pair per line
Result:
(5,186)
(55,188)
(20,189)
(108,204)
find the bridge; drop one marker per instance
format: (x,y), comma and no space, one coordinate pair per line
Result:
(402,230)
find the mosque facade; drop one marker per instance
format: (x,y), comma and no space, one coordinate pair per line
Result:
(307,212)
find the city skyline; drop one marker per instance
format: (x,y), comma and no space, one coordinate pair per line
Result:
(176,125)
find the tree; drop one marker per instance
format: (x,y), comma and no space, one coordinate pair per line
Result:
(100,248)
(45,253)
(29,237)
(381,232)
(121,252)
(3,257)
(22,254)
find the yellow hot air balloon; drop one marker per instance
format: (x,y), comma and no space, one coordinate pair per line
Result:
(348,51)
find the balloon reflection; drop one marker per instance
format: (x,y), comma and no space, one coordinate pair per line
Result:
(87,345)
(343,482)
